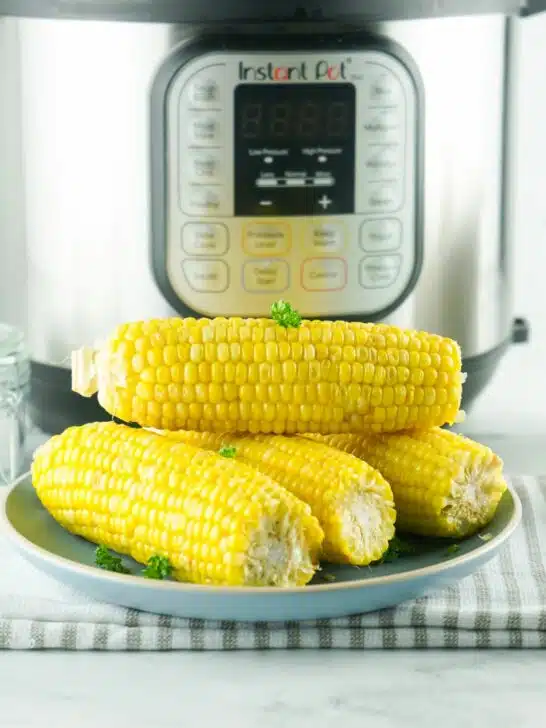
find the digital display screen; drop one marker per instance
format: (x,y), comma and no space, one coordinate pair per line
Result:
(311,114)
(294,148)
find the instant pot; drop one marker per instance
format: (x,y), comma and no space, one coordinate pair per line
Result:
(207,157)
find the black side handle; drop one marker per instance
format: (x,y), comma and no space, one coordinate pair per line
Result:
(532,7)
(521,331)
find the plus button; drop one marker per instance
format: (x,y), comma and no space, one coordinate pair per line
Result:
(325,202)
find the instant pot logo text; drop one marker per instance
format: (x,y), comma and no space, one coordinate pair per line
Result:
(319,71)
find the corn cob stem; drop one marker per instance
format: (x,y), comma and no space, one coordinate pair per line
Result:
(352,501)
(254,375)
(217,521)
(84,371)
(444,484)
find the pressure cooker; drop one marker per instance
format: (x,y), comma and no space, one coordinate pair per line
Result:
(208,157)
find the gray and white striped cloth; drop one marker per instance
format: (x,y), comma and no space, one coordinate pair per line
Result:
(501,606)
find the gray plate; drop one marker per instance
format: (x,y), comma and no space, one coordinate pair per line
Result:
(348,590)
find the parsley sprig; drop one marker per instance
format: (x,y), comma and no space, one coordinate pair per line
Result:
(158,567)
(108,561)
(285,315)
(397,548)
(228,451)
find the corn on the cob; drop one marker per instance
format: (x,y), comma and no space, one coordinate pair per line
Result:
(254,375)
(352,501)
(444,484)
(216,520)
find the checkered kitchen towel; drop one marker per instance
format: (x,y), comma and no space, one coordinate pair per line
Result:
(503,605)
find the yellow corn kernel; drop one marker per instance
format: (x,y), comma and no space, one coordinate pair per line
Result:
(217,520)
(352,501)
(444,484)
(391,378)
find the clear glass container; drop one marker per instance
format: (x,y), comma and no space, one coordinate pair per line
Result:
(14,398)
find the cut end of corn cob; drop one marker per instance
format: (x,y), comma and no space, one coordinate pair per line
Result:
(365,527)
(254,375)
(84,371)
(352,501)
(216,520)
(95,371)
(444,484)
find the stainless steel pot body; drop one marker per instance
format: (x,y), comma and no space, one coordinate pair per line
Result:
(78,234)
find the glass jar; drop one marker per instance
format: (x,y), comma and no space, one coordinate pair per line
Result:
(14,398)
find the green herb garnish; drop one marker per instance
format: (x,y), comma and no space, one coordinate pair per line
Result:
(228,451)
(453,549)
(286,316)
(485,536)
(108,561)
(328,577)
(397,548)
(158,567)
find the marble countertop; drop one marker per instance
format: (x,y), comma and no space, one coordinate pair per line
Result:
(280,690)
(493,689)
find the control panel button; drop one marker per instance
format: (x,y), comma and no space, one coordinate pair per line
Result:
(324,274)
(206,276)
(204,90)
(384,125)
(385,87)
(202,166)
(381,197)
(201,200)
(383,162)
(266,239)
(204,129)
(377,236)
(267,276)
(202,239)
(379,271)
(327,237)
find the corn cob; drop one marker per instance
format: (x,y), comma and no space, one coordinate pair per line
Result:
(216,520)
(444,484)
(352,501)
(255,375)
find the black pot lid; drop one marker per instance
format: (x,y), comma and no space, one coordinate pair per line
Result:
(221,11)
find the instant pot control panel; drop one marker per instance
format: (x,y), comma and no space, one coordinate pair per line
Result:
(291,175)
